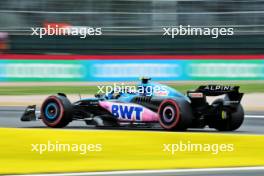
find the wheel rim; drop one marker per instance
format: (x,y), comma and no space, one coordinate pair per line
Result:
(51,111)
(168,114)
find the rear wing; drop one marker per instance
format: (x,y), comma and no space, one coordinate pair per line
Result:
(215,90)
(231,92)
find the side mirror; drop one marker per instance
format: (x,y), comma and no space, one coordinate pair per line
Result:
(145,80)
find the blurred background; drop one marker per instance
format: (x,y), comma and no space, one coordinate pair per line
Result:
(132,46)
(132,26)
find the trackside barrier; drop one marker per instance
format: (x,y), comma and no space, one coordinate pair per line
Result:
(128,68)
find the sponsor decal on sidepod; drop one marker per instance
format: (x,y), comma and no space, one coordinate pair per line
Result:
(129,112)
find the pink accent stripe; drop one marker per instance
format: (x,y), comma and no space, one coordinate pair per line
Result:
(128,57)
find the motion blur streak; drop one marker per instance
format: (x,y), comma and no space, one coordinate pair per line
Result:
(133,16)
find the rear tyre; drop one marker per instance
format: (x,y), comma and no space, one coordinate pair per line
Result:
(175,115)
(230,119)
(56,111)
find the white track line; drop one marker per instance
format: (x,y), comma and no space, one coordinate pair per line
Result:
(261,168)
(255,116)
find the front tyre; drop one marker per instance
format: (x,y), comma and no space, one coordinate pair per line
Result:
(56,111)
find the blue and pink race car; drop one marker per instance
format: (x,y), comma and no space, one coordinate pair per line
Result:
(167,107)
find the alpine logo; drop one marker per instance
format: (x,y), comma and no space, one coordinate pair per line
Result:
(219,88)
(126,112)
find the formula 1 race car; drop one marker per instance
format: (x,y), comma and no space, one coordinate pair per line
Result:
(150,103)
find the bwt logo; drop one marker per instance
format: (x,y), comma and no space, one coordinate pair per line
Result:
(127,112)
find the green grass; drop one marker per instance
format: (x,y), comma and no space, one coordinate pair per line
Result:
(37,90)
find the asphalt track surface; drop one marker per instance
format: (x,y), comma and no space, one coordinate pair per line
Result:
(10,117)
(253,124)
(237,171)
